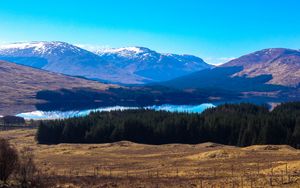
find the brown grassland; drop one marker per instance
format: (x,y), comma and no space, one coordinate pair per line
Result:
(126,164)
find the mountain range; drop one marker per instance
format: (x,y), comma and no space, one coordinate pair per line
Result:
(131,65)
(61,76)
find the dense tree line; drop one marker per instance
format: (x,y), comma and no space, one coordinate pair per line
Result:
(233,124)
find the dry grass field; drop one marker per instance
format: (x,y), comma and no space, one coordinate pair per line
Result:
(126,164)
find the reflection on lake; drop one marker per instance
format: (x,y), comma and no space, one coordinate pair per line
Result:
(36,115)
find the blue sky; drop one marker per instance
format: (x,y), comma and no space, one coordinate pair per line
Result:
(215,30)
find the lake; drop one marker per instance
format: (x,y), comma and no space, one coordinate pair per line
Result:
(38,115)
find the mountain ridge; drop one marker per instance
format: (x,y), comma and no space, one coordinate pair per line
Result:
(151,64)
(134,65)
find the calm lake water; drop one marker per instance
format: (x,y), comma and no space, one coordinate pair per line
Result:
(36,115)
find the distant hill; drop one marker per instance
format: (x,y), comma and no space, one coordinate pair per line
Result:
(132,65)
(20,85)
(282,64)
(271,72)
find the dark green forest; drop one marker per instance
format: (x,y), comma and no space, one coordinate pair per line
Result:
(232,124)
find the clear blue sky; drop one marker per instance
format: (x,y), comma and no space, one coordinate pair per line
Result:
(212,29)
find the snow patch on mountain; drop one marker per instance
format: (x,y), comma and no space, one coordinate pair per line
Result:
(119,50)
(125,52)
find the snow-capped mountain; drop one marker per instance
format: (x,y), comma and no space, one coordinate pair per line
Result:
(58,57)
(39,48)
(151,64)
(131,65)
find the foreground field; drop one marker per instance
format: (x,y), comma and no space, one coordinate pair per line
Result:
(126,164)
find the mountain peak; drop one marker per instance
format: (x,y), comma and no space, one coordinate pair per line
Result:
(262,56)
(275,51)
(39,47)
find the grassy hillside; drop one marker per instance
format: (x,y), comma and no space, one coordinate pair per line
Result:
(20,85)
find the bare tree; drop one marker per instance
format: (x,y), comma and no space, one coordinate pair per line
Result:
(8,160)
(26,169)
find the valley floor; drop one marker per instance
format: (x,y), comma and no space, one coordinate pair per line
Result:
(126,164)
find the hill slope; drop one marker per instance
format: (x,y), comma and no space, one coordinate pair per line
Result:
(270,72)
(282,64)
(20,84)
